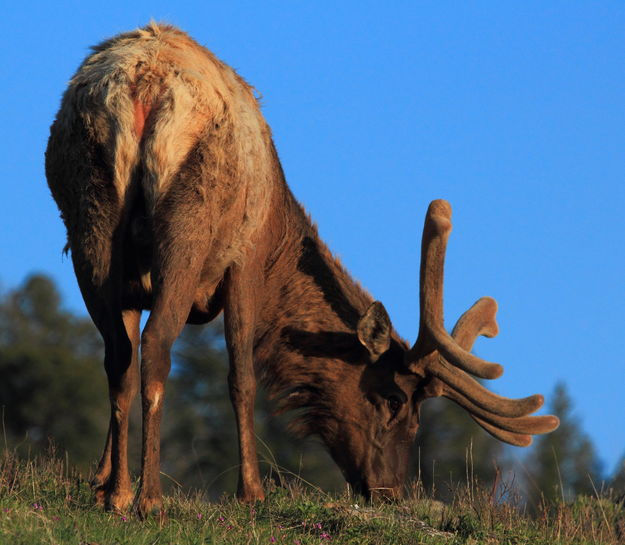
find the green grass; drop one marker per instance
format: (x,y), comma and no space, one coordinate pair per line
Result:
(43,501)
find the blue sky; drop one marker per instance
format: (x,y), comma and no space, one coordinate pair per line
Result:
(514,112)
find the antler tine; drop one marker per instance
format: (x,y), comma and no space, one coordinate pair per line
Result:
(516,439)
(520,425)
(432,334)
(433,246)
(459,381)
(478,320)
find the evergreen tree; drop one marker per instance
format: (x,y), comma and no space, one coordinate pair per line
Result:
(199,430)
(617,483)
(563,463)
(53,385)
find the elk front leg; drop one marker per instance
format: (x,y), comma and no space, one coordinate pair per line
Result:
(240,319)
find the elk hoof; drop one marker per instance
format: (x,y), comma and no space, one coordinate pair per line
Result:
(119,501)
(150,508)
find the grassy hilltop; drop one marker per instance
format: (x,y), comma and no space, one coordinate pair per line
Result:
(46,502)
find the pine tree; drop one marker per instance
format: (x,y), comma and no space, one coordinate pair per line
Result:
(564,462)
(617,483)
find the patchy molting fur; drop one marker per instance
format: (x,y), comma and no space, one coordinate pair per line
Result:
(145,99)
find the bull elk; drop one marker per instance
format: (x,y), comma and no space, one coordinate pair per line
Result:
(175,202)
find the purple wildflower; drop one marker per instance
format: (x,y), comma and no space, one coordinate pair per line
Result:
(272,539)
(199,516)
(221,519)
(124,519)
(230,527)
(318,526)
(324,536)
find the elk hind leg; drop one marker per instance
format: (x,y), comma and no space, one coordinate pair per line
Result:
(123,386)
(120,331)
(80,177)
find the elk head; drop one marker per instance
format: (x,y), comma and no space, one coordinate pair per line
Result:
(371,440)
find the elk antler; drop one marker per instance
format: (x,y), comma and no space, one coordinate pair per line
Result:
(446,358)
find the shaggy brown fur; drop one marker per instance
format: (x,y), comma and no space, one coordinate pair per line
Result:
(174,200)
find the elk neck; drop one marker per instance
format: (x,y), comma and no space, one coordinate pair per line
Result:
(306,332)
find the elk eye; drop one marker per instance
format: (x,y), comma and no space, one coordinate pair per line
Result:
(394,404)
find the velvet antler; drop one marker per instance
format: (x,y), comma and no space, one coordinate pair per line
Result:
(446,359)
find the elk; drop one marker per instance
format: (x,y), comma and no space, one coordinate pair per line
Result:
(174,201)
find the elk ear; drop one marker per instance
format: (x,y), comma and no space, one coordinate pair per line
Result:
(374,330)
